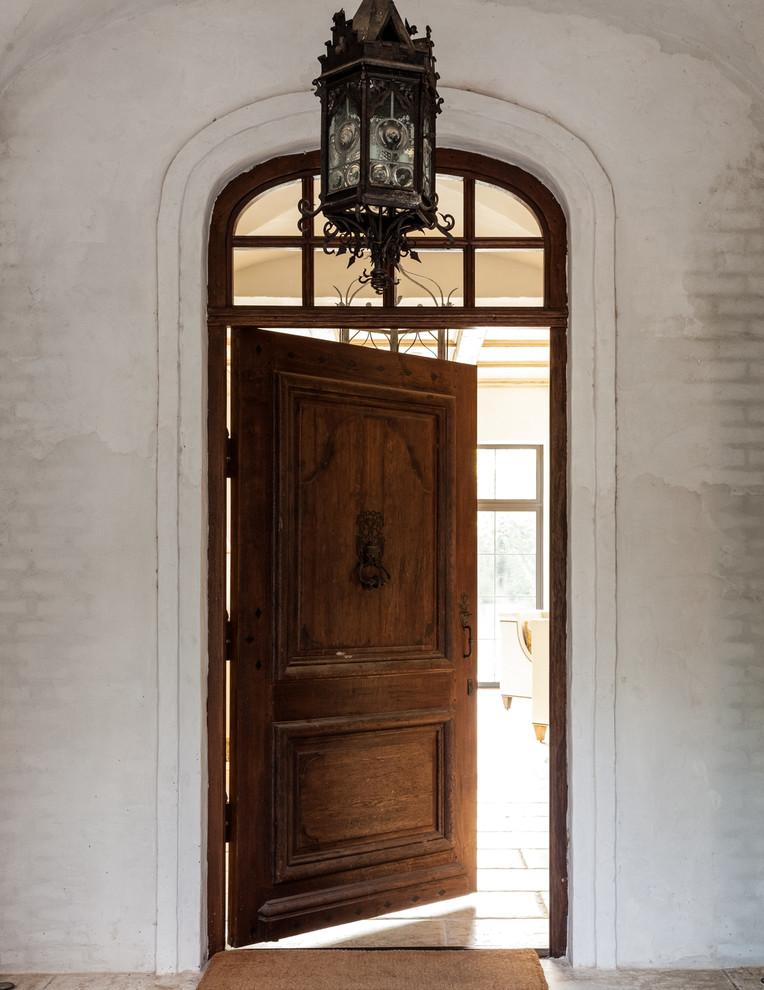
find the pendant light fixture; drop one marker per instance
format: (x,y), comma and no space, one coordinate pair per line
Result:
(379,102)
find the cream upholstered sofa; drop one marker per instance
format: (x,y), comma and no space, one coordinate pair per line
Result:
(524,669)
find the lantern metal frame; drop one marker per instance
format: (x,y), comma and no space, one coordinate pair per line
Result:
(379,103)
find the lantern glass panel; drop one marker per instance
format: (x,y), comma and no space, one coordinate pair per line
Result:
(428,180)
(392,142)
(344,147)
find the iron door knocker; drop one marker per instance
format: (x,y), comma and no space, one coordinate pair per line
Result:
(370,545)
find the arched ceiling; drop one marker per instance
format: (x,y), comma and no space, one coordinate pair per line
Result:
(728,32)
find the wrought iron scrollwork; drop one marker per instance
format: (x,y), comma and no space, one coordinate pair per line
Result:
(383,232)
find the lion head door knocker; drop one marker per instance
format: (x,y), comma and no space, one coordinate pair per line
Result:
(369,546)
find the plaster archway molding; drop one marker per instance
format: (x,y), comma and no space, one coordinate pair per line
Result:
(287,125)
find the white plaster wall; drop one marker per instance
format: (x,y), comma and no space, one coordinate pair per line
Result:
(98,97)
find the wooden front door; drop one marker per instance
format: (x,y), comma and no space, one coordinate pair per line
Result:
(353,719)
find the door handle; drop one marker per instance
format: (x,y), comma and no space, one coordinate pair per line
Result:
(464,617)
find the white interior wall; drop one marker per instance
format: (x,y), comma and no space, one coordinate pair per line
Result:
(105,106)
(519,414)
(513,414)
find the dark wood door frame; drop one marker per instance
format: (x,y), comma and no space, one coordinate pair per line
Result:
(555,316)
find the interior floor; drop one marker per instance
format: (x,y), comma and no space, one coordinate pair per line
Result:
(511,906)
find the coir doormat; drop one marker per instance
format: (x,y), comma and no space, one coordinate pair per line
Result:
(369,969)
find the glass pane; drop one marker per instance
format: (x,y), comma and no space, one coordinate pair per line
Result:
(344,147)
(338,285)
(516,534)
(486,532)
(267,276)
(271,214)
(392,143)
(486,469)
(515,575)
(499,213)
(437,279)
(509,278)
(486,584)
(450,190)
(516,473)
(506,579)
(486,616)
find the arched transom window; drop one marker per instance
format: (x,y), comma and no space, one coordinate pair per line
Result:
(491,297)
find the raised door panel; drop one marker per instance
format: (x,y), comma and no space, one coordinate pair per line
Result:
(362,466)
(355,791)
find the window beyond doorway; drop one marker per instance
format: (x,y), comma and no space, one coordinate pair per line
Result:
(510,543)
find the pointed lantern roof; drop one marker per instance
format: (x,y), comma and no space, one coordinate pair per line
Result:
(378,20)
(376,31)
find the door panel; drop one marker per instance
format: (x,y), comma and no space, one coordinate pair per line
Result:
(357,447)
(355,790)
(352,714)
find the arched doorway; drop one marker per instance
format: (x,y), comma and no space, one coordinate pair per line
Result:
(239,296)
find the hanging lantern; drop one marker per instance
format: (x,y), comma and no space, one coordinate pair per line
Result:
(378,107)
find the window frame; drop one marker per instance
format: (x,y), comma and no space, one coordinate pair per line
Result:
(472,168)
(534,506)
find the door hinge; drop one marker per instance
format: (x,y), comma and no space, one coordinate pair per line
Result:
(228,456)
(228,638)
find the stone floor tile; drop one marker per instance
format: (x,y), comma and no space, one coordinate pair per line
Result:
(536,859)
(489,839)
(181,981)
(28,981)
(500,859)
(530,840)
(98,981)
(497,934)
(528,823)
(103,981)
(749,978)
(382,933)
(560,974)
(484,904)
(513,880)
